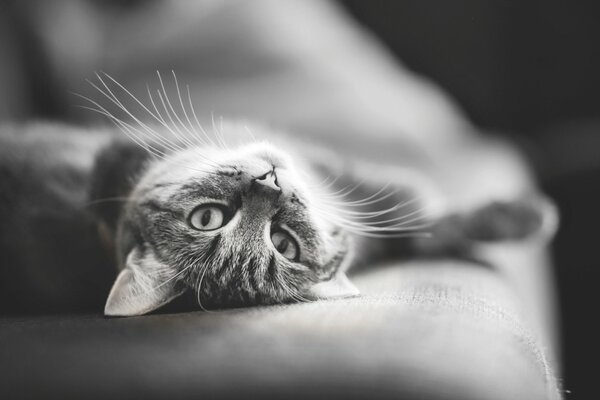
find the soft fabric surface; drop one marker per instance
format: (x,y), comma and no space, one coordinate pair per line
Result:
(433,330)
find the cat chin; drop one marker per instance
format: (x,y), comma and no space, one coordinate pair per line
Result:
(339,286)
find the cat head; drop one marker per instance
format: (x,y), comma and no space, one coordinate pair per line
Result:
(235,226)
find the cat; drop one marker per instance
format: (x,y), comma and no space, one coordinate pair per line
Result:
(74,201)
(239,215)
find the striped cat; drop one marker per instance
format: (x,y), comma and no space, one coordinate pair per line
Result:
(235,215)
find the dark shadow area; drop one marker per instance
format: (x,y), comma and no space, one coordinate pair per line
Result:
(529,68)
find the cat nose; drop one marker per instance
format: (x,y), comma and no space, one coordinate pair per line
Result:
(268,181)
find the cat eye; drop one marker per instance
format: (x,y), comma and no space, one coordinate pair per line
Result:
(209,217)
(286,245)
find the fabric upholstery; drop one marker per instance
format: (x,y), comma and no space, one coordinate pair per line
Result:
(423,330)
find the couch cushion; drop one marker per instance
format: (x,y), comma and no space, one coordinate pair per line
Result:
(433,330)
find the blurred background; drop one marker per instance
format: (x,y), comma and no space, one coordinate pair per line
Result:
(528,69)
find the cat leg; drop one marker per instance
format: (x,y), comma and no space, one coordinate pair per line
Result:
(531,218)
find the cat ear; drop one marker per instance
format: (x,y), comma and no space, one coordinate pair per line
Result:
(140,287)
(335,288)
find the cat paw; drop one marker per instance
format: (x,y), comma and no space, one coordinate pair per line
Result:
(534,217)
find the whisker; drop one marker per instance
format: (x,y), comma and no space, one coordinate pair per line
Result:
(372,214)
(190,129)
(173,112)
(375,228)
(372,199)
(322,183)
(127,130)
(155,136)
(199,288)
(394,235)
(291,293)
(252,137)
(172,278)
(113,98)
(164,123)
(136,135)
(206,135)
(344,191)
(405,217)
(178,137)
(158,116)
(217,134)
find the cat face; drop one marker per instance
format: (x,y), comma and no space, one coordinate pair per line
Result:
(235,226)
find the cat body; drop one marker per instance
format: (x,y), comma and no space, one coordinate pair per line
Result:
(51,258)
(79,204)
(237,216)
